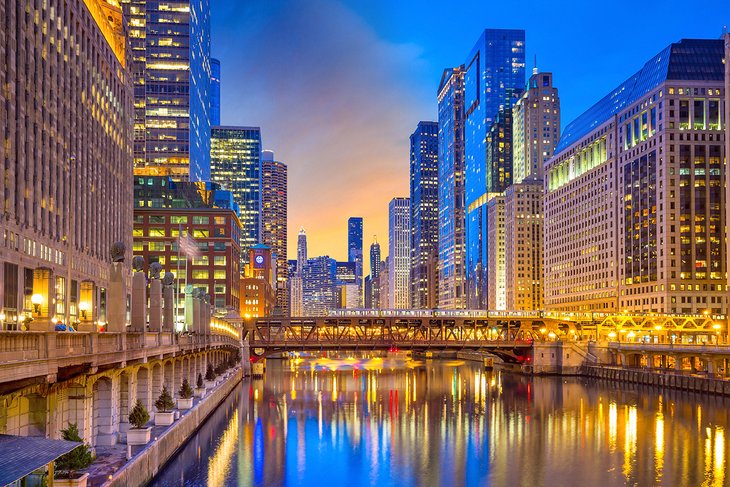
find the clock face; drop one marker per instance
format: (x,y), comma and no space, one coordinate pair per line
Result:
(259,259)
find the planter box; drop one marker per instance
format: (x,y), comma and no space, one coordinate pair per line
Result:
(164,419)
(200,392)
(183,404)
(138,436)
(77,482)
(209,384)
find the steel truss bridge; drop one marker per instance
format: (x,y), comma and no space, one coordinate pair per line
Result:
(507,334)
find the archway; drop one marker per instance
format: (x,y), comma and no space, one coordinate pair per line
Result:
(104,428)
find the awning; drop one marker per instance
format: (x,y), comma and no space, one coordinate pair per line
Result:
(21,455)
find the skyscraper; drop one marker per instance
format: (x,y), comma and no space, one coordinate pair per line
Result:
(215,92)
(424,215)
(274,221)
(236,165)
(634,204)
(536,127)
(399,260)
(451,280)
(66,165)
(296,281)
(170,43)
(495,71)
(301,250)
(319,288)
(494,268)
(354,246)
(375,258)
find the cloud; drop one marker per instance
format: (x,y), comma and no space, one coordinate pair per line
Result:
(334,101)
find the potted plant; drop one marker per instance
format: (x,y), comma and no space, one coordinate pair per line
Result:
(164,404)
(199,386)
(209,377)
(139,433)
(68,464)
(185,401)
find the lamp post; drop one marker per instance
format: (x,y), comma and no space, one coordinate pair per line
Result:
(36,300)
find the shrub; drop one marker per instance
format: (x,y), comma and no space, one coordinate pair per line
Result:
(186,392)
(139,416)
(164,403)
(220,368)
(77,459)
(209,373)
(199,383)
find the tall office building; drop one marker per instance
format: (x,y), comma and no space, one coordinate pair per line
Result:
(274,222)
(354,246)
(296,281)
(235,156)
(451,279)
(215,92)
(424,215)
(319,287)
(65,176)
(495,265)
(495,72)
(384,285)
(399,260)
(499,148)
(535,127)
(727,130)
(170,43)
(375,262)
(523,245)
(634,205)
(301,250)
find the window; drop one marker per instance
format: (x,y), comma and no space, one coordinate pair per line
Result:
(201,220)
(200,274)
(137,246)
(201,260)
(219,260)
(713,114)
(156,232)
(137,232)
(156,246)
(157,219)
(699,115)
(218,274)
(220,220)
(201,233)
(683,114)
(177,220)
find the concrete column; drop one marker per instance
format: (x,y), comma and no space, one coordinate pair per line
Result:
(196,315)
(155,305)
(139,301)
(117,299)
(168,312)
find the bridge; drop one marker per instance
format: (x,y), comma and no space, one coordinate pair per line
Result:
(507,334)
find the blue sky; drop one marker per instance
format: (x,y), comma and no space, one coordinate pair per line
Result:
(337,86)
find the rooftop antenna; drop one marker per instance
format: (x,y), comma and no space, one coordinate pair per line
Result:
(534,69)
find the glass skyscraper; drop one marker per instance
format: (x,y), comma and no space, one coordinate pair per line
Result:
(319,288)
(274,221)
(215,92)
(236,165)
(354,246)
(451,278)
(399,260)
(424,216)
(494,72)
(170,43)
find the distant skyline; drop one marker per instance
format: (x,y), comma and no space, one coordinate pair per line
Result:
(337,87)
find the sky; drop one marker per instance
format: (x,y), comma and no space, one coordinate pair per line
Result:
(338,86)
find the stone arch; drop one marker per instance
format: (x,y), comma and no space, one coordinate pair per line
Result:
(143,388)
(177,373)
(76,408)
(124,404)
(168,374)
(185,369)
(104,430)
(156,384)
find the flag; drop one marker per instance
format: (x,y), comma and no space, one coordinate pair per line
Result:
(188,246)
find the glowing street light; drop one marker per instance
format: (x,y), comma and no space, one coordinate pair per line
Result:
(36,300)
(84,307)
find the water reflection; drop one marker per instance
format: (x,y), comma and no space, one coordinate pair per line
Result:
(379,422)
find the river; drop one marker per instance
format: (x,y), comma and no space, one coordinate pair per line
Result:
(397,422)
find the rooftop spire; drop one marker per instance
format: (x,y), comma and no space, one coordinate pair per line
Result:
(534,68)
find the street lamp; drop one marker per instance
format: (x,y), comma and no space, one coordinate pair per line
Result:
(36,300)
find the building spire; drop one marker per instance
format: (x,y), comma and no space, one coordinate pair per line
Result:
(534,68)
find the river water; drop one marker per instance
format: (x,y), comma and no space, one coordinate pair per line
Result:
(397,422)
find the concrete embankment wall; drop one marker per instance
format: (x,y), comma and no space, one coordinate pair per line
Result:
(660,379)
(144,466)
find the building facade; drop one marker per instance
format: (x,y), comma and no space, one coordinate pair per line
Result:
(399,260)
(319,288)
(236,165)
(274,223)
(424,171)
(257,285)
(170,44)
(451,272)
(523,238)
(495,268)
(215,92)
(65,175)
(354,246)
(192,230)
(494,73)
(654,148)
(535,127)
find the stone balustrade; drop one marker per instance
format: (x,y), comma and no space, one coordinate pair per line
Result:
(41,356)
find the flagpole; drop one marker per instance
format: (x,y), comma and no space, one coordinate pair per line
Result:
(177,275)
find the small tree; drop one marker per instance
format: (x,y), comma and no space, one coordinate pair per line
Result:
(220,368)
(164,403)
(209,373)
(138,416)
(80,457)
(186,392)
(199,382)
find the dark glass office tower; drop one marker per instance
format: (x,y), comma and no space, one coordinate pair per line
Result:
(215,92)
(424,171)
(354,246)
(494,72)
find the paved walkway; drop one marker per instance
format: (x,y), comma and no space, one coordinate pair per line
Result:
(109,459)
